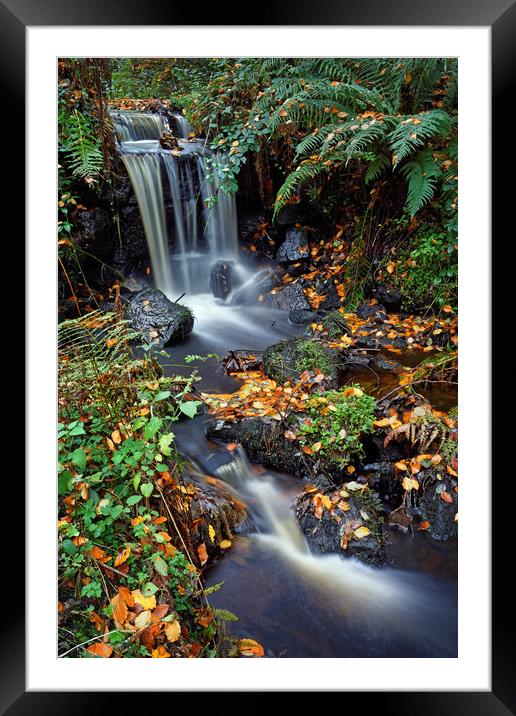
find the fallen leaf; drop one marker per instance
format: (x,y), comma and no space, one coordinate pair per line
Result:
(361,532)
(100,649)
(203,554)
(173,630)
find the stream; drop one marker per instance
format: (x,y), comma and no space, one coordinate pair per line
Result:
(293,602)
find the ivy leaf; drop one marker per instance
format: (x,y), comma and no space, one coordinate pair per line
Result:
(190,408)
(147,489)
(152,428)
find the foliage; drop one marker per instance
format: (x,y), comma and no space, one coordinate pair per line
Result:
(335,423)
(426,271)
(125,525)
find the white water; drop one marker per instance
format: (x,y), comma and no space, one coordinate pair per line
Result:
(204,230)
(392,604)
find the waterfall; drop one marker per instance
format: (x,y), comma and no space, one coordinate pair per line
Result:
(202,226)
(133,126)
(184,128)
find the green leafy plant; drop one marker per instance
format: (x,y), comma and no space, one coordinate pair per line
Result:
(335,423)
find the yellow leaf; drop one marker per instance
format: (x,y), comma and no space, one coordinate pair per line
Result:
(225,544)
(145,602)
(361,532)
(116,437)
(316,447)
(211,532)
(143,619)
(407,484)
(173,630)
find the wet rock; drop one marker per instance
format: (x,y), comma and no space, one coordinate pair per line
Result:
(212,504)
(93,230)
(221,278)
(264,441)
(159,321)
(302,316)
(356,360)
(168,141)
(291,298)
(336,527)
(388,296)
(383,364)
(286,360)
(295,246)
(436,510)
(365,310)
(328,289)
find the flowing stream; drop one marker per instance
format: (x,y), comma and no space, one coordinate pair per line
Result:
(295,603)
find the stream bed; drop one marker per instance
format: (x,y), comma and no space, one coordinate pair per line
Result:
(293,602)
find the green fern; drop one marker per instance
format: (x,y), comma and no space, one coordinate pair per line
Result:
(224,615)
(422,175)
(81,146)
(413,132)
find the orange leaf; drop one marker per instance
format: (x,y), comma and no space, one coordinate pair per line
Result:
(424,525)
(100,649)
(122,556)
(119,608)
(250,647)
(203,555)
(97,553)
(160,653)
(446,497)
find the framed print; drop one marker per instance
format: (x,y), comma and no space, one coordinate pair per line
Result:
(258,289)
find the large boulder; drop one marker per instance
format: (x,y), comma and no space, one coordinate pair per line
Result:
(339,521)
(295,247)
(328,289)
(158,319)
(286,360)
(222,278)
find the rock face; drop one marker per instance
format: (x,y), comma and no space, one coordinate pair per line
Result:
(264,441)
(286,360)
(438,511)
(291,298)
(159,320)
(222,278)
(336,528)
(295,246)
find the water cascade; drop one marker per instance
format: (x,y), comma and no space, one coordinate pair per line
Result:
(202,227)
(395,605)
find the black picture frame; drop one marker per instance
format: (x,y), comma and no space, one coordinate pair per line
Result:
(500,15)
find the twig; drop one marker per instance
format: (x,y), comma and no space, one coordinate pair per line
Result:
(95,638)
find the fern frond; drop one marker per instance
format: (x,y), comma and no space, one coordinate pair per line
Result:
(224,615)
(422,174)
(376,168)
(415,131)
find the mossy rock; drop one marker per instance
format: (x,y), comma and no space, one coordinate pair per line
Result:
(335,324)
(286,360)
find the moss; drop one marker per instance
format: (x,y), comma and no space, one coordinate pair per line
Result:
(288,359)
(335,325)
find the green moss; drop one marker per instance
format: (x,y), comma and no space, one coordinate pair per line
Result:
(335,325)
(288,359)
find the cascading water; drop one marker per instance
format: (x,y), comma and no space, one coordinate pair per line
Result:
(357,608)
(203,226)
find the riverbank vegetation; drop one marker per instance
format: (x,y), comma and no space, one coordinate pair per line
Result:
(345,175)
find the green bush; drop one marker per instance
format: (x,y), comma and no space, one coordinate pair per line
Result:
(427,272)
(335,423)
